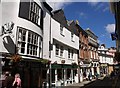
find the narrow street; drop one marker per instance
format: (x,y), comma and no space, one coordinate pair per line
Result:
(59,43)
(103,83)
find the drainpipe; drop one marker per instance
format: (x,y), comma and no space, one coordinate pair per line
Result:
(50,56)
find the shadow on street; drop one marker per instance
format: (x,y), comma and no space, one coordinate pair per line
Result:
(100,83)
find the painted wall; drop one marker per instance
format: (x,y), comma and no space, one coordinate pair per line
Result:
(65,41)
(46,35)
(10,11)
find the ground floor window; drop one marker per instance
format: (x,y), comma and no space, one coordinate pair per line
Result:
(53,75)
(59,71)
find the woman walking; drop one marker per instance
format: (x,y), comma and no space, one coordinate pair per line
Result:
(17,81)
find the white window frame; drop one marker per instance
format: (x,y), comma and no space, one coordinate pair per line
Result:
(20,40)
(61,51)
(69,55)
(72,37)
(34,13)
(33,43)
(57,49)
(61,30)
(72,54)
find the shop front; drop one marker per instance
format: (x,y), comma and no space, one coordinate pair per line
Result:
(103,69)
(85,69)
(32,72)
(63,73)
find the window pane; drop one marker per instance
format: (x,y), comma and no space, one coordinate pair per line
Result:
(57,49)
(24,9)
(32,43)
(68,53)
(21,40)
(61,51)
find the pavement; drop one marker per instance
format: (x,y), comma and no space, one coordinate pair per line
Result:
(100,82)
(117,82)
(81,84)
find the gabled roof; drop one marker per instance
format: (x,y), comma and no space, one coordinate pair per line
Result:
(59,16)
(72,26)
(69,22)
(80,29)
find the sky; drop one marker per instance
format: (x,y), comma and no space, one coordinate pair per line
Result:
(93,15)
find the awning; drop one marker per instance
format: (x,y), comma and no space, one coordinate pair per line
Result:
(104,65)
(56,66)
(86,64)
(67,66)
(64,66)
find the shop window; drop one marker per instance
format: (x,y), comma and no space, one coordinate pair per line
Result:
(44,72)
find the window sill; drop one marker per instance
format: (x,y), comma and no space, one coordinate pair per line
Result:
(60,57)
(62,34)
(72,40)
(70,58)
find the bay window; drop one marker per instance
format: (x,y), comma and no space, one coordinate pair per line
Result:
(29,42)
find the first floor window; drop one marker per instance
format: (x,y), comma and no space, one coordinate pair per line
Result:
(71,53)
(72,37)
(68,53)
(32,44)
(57,49)
(28,41)
(61,29)
(61,51)
(21,40)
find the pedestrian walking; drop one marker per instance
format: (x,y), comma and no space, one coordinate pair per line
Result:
(84,75)
(96,75)
(90,76)
(8,80)
(112,75)
(87,74)
(17,81)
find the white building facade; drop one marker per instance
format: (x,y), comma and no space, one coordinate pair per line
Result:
(21,35)
(64,53)
(107,60)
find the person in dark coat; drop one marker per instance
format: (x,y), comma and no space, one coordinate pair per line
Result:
(8,80)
